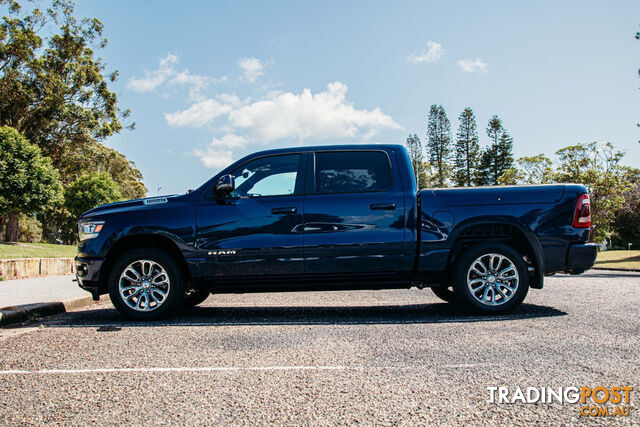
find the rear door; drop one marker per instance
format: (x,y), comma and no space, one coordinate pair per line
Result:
(354,213)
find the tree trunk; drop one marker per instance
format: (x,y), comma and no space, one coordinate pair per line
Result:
(2,219)
(12,228)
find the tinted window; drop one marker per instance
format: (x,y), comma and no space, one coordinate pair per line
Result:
(267,176)
(352,172)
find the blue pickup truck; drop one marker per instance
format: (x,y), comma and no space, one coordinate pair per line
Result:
(332,218)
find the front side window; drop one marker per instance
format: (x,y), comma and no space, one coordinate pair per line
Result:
(352,172)
(267,176)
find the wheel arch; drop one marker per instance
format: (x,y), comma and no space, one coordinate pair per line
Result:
(499,230)
(127,243)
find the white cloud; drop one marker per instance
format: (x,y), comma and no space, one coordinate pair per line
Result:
(473,65)
(432,53)
(214,158)
(218,153)
(281,116)
(252,68)
(324,115)
(155,78)
(196,83)
(166,73)
(199,114)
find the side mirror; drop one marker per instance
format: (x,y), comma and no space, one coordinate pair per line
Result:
(226,184)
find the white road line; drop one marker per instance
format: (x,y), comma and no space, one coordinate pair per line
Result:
(225,369)
(177,369)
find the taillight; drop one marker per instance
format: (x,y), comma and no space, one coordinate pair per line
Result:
(582,217)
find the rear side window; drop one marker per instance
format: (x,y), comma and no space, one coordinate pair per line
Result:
(352,172)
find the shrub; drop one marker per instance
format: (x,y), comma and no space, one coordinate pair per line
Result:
(30,229)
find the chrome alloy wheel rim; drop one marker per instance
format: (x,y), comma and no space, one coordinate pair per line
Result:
(144,285)
(493,279)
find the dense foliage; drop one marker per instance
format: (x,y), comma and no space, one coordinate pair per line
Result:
(55,91)
(89,191)
(28,181)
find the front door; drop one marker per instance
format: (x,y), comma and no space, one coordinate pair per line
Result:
(256,230)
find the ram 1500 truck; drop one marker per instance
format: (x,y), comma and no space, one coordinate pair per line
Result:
(332,218)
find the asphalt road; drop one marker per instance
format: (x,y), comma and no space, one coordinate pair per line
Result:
(371,357)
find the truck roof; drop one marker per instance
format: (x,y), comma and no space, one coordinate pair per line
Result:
(328,147)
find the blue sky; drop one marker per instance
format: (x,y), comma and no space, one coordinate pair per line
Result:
(209,82)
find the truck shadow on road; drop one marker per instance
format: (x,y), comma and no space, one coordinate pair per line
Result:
(109,320)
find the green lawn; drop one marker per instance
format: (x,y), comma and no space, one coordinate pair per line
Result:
(619,259)
(36,250)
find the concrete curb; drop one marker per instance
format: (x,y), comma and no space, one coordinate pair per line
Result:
(616,269)
(22,313)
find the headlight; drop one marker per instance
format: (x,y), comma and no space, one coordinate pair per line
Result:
(89,229)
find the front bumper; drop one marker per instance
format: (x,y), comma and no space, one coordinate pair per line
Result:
(581,257)
(88,275)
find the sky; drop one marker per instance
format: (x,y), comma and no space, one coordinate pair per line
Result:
(208,82)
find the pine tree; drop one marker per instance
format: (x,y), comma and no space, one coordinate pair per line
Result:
(439,144)
(504,159)
(414,146)
(467,150)
(483,173)
(498,156)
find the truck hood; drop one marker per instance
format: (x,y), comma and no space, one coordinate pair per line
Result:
(127,205)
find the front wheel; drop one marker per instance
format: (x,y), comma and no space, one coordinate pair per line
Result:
(491,278)
(146,284)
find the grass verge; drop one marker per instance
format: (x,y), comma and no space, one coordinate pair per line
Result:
(36,250)
(619,259)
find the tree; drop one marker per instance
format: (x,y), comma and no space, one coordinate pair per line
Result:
(439,144)
(54,90)
(28,181)
(414,146)
(504,160)
(627,219)
(498,156)
(511,176)
(483,172)
(467,150)
(104,159)
(90,190)
(597,166)
(535,170)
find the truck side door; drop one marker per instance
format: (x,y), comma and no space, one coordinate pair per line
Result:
(354,213)
(257,230)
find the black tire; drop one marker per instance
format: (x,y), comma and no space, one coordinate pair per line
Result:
(174,294)
(462,269)
(194,297)
(444,293)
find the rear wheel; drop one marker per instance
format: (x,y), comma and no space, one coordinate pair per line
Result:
(491,278)
(146,283)
(444,293)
